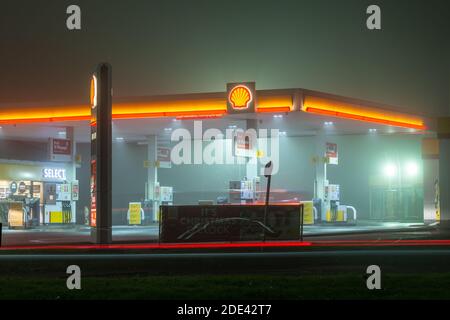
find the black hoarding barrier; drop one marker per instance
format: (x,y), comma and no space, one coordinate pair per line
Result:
(302,220)
(219,223)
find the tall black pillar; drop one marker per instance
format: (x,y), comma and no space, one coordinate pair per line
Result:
(444,172)
(101,139)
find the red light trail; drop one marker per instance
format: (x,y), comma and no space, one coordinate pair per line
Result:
(268,244)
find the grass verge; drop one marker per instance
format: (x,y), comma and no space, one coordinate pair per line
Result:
(340,286)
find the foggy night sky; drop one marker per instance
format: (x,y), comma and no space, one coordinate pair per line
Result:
(170,47)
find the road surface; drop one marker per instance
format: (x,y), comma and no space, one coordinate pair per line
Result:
(123,234)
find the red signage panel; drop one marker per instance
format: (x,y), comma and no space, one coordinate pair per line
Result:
(62,147)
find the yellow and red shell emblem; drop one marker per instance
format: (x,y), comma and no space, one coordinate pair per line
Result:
(240,97)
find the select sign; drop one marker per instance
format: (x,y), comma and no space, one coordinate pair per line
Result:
(54,173)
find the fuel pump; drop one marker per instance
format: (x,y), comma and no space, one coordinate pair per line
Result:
(331,204)
(327,195)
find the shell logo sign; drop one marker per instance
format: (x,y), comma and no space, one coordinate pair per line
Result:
(241,97)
